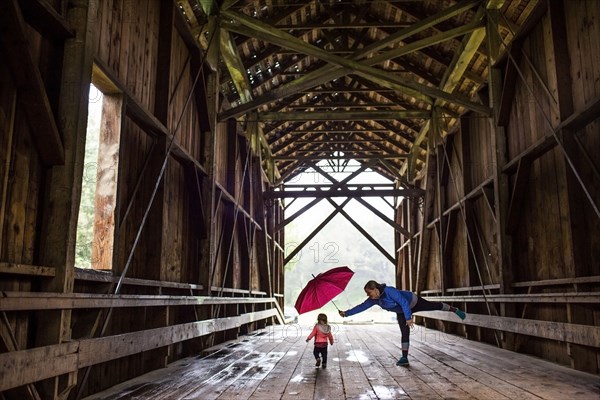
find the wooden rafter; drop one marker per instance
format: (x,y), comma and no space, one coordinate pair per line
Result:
(329,72)
(44,129)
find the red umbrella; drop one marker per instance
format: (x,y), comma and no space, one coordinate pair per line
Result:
(323,288)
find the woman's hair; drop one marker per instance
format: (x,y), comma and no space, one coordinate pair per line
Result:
(322,318)
(373,285)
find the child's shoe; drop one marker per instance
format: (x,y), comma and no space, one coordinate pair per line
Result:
(403,361)
(318,363)
(461,314)
(324,365)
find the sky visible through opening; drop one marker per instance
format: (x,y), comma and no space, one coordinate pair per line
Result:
(340,243)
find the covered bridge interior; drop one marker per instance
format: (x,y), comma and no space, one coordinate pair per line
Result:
(482,115)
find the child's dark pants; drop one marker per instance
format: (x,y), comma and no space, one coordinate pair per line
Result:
(322,351)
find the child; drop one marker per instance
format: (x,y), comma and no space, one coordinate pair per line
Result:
(321,332)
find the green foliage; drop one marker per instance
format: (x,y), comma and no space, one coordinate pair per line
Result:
(85,220)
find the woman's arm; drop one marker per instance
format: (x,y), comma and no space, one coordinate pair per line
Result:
(365,305)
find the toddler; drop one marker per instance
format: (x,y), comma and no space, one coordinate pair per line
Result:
(321,332)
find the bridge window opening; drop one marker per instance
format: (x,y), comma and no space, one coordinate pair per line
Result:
(96,219)
(339,242)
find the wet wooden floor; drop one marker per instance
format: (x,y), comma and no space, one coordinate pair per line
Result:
(277,363)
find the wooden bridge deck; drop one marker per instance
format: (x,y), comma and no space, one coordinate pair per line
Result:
(277,363)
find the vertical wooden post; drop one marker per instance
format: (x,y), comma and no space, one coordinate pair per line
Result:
(501,185)
(8,105)
(466,167)
(209,243)
(425,237)
(435,139)
(60,208)
(164,56)
(262,239)
(415,240)
(575,239)
(405,276)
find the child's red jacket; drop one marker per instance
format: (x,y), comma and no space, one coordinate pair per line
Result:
(321,332)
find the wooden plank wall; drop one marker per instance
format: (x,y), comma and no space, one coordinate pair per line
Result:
(154,73)
(21,178)
(555,232)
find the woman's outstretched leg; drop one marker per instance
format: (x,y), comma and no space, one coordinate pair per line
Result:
(425,305)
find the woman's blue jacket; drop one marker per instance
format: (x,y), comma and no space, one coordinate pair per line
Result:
(391,299)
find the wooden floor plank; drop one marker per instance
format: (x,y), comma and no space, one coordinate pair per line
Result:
(379,367)
(329,383)
(534,366)
(423,368)
(351,354)
(410,382)
(178,377)
(276,383)
(529,376)
(233,377)
(277,363)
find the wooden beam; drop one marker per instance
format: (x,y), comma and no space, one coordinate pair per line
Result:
(30,86)
(345,141)
(342,115)
(27,301)
(345,157)
(364,232)
(333,106)
(337,209)
(572,333)
(581,280)
(188,31)
(339,184)
(234,64)
(301,132)
(25,269)
(554,298)
(519,193)
(354,25)
(503,109)
(141,116)
(481,190)
(163,68)
(253,28)
(518,36)
(399,228)
(45,19)
(501,185)
(328,73)
(22,367)
(345,193)
(228,197)
(88,275)
(581,118)
(424,248)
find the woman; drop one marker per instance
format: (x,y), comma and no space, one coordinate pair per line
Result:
(403,303)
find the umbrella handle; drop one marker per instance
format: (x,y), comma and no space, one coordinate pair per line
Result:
(336,307)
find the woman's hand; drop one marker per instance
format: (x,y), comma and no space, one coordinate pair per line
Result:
(410,323)
(342,313)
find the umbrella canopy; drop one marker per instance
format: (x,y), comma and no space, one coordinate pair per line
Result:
(323,288)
